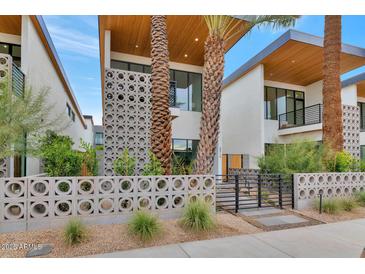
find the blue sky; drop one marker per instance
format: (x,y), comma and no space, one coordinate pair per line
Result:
(76,41)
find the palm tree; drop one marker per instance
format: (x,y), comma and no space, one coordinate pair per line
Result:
(219,26)
(161,132)
(332,107)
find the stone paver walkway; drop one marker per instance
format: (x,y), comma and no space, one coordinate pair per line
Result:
(337,240)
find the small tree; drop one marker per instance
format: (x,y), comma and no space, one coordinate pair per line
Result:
(125,164)
(89,158)
(153,167)
(28,115)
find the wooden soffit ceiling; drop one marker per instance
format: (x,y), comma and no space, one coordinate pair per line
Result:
(11,24)
(302,64)
(131,34)
(361,89)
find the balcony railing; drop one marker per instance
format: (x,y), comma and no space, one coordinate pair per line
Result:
(172,96)
(11,76)
(301,117)
(18,80)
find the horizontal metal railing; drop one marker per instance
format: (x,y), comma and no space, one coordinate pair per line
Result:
(301,117)
(18,80)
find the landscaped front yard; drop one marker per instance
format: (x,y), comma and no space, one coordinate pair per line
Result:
(109,238)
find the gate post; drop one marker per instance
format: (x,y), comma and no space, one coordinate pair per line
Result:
(237,192)
(292,192)
(280,193)
(259,190)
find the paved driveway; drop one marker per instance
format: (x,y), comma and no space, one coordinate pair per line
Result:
(337,240)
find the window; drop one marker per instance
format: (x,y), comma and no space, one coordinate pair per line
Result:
(189,85)
(70,112)
(13,50)
(186,149)
(99,138)
(279,101)
(362,115)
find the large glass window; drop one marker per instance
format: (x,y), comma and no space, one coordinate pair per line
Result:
(13,50)
(188,94)
(99,138)
(279,101)
(362,115)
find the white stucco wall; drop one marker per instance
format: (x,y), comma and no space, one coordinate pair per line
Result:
(243,115)
(40,73)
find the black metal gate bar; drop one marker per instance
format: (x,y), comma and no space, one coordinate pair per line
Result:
(253,190)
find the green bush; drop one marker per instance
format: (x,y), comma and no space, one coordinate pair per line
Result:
(75,232)
(300,156)
(197,216)
(153,167)
(181,166)
(348,203)
(89,158)
(342,162)
(360,197)
(125,164)
(329,206)
(144,225)
(58,157)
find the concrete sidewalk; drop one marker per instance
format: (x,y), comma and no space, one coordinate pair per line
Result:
(337,240)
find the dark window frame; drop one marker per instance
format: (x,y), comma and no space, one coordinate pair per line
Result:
(361,106)
(11,45)
(172,71)
(266,110)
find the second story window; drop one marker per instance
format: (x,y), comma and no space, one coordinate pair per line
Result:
(279,101)
(188,91)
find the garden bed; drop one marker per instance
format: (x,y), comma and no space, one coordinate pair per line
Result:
(110,238)
(356,213)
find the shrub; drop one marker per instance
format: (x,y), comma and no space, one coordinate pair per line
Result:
(348,204)
(300,156)
(58,157)
(89,158)
(153,167)
(144,225)
(181,166)
(125,164)
(197,216)
(75,232)
(342,162)
(330,206)
(360,197)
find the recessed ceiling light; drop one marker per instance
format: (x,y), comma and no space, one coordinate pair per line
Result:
(293,61)
(196,39)
(137,46)
(271,74)
(185,55)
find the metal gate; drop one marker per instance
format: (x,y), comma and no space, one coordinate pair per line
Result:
(254,190)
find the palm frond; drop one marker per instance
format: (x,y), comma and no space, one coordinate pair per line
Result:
(274,21)
(218,24)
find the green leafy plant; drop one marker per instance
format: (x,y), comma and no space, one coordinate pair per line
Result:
(360,197)
(75,232)
(197,216)
(144,225)
(89,158)
(125,164)
(348,203)
(26,115)
(342,162)
(153,167)
(58,157)
(181,166)
(329,206)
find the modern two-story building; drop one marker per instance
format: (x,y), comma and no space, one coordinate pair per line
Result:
(125,45)
(276,97)
(29,58)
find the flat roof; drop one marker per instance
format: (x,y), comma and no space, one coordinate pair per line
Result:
(297,58)
(353,80)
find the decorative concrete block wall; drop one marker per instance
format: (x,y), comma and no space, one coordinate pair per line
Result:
(308,186)
(351,129)
(3,168)
(127,117)
(46,202)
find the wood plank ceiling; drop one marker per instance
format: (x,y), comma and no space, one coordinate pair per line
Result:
(186,35)
(11,24)
(301,64)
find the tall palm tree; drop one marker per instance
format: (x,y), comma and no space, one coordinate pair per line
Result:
(332,107)
(219,26)
(161,132)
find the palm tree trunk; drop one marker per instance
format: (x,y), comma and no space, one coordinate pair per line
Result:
(212,88)
(161,132)
(332,106)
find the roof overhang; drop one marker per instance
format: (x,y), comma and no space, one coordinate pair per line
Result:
(11,24)
(297,58)
(359,81)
